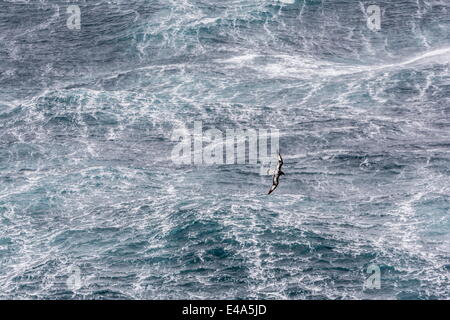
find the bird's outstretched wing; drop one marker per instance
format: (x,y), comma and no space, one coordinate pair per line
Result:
(279,165)
(272,188)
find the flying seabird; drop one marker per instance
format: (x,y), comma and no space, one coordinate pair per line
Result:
(277,174)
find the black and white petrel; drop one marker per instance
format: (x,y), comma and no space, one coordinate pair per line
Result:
(277,174)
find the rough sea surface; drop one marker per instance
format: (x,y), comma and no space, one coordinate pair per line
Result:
(93,207)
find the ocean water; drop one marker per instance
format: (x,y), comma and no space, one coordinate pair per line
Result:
(92,205)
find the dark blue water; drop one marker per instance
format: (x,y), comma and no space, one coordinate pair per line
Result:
(92,205)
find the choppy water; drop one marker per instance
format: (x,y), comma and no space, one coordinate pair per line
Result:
(88,186)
